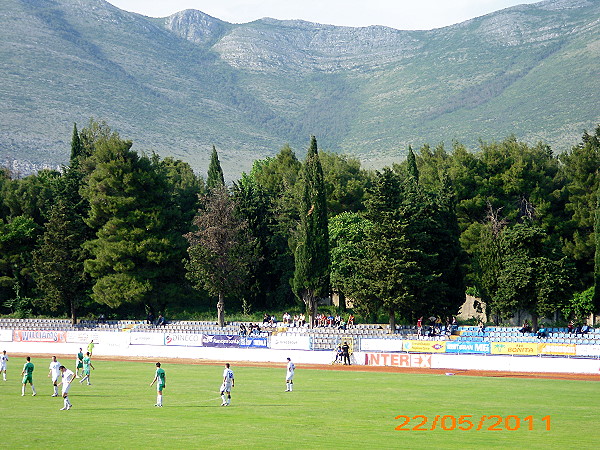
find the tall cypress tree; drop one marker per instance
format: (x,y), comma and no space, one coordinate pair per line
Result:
(215,177)
(76,145)
(411,165)
(311,274)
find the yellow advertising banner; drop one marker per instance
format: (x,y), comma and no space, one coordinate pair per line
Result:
(424,346)
(514,348)
(557,349)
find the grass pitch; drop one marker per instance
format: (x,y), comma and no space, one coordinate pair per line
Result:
(328,409)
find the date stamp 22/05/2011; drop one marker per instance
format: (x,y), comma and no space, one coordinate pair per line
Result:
(467,422)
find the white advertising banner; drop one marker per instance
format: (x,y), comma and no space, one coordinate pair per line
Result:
(587,350)
(6,335)
(146,338)
(398,360)
(183,339)
(82,337)
(382,345)
(110,342)
(290,342)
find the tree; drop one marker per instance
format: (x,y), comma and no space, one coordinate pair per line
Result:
(311,256)
(17,240)
(411,165)
(347,233)
(31,196)
(580,169)
(532,275)
(274,181)
(76,145)
(445,242)
(58,261)
(252,206)
(220,256)
(405,277)
(580,306)
(215,177)
(596,297)
(136,256)
(345,183)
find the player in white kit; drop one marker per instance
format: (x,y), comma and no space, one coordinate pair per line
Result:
(67,377)
(3,364)
(228,383)
(289,376)
(55,374)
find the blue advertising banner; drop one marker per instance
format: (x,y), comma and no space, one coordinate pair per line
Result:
(251,341)
(220,340)
(482,348)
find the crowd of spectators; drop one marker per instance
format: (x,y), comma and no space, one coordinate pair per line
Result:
(299,320)
(437,327)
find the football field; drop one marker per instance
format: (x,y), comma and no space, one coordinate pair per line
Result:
(328,409)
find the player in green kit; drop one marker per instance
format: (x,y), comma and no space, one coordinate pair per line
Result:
(79,363)
(161,378)
(28,376)
(87,363)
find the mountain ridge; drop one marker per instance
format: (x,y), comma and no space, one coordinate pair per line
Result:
(178,85)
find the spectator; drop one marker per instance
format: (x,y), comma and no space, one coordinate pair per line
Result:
(302,320)
(243,330)
(420,326)
(161,321)
(266,318)
(351,320)
(585,329)
(541,333)
(526,328)
(432,320)
(342,325)
(481,326)
(571,327)
(454,325)
(150,318)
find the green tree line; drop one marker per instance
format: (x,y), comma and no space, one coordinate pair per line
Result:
(127,233)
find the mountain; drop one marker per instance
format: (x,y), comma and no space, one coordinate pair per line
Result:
(180,84)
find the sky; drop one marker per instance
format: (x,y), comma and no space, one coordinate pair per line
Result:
(399,14)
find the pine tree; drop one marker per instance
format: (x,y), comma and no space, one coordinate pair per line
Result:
(136,257)
(215,177)
(311,274)
(58,262)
